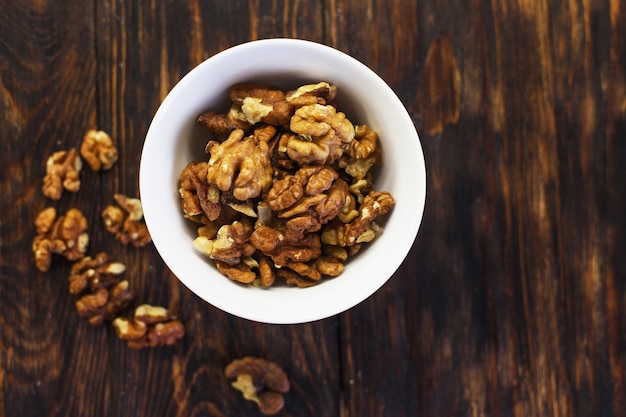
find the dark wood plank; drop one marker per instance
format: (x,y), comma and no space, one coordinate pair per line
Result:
(511,301)
(47,90)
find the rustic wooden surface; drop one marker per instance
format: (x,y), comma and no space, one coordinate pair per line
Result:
(512,301)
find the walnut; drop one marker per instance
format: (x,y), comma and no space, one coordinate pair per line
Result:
(260,381)
(361,188)
(260,104)
(334,252)
(150,314)
(361,154)
(130,330)
(151,326)
(45,220)
(230,244)
(241,272)
(113,218)
(364,144)
(294,197)
(359,168)
(64,235)
(94,273)
(62,172)
(305,275)
(242,164)
(98,150)
(348,211)
(281,162)
(267,276)
(73,231)
(307,181)
(264,133)
(334,234)
(320,93)
(375,204)
(310,198)
(362,228)
(197,196)
(329,265)
(222,124)
(125,223)
(291,277)
(286,247)
(305,270)
(321,134)
(43,250)
(105,303)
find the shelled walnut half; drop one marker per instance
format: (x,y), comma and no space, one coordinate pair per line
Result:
(105,303)
(64,235)
(94,273)
(126,221)
(149,327)
(62,172)
(98,150)
(261,381)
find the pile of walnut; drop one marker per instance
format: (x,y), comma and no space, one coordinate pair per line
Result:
(96,281)
(287,189)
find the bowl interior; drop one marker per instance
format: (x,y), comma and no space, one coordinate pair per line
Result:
(174,139)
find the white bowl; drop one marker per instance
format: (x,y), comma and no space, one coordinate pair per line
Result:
(174,139)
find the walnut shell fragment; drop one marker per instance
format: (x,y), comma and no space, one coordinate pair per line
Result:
(260,381)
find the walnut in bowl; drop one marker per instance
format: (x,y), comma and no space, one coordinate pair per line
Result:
(175,139)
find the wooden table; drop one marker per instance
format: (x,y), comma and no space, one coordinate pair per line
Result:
(512,301)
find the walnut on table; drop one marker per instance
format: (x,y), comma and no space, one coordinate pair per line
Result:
(125,222)
(261,381)
(64,235)
(105,303)
(98,149)
(94,273)
(150,326)
(62,172)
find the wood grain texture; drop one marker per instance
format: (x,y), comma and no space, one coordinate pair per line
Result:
(515,296)
(47,89)
(512,301)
